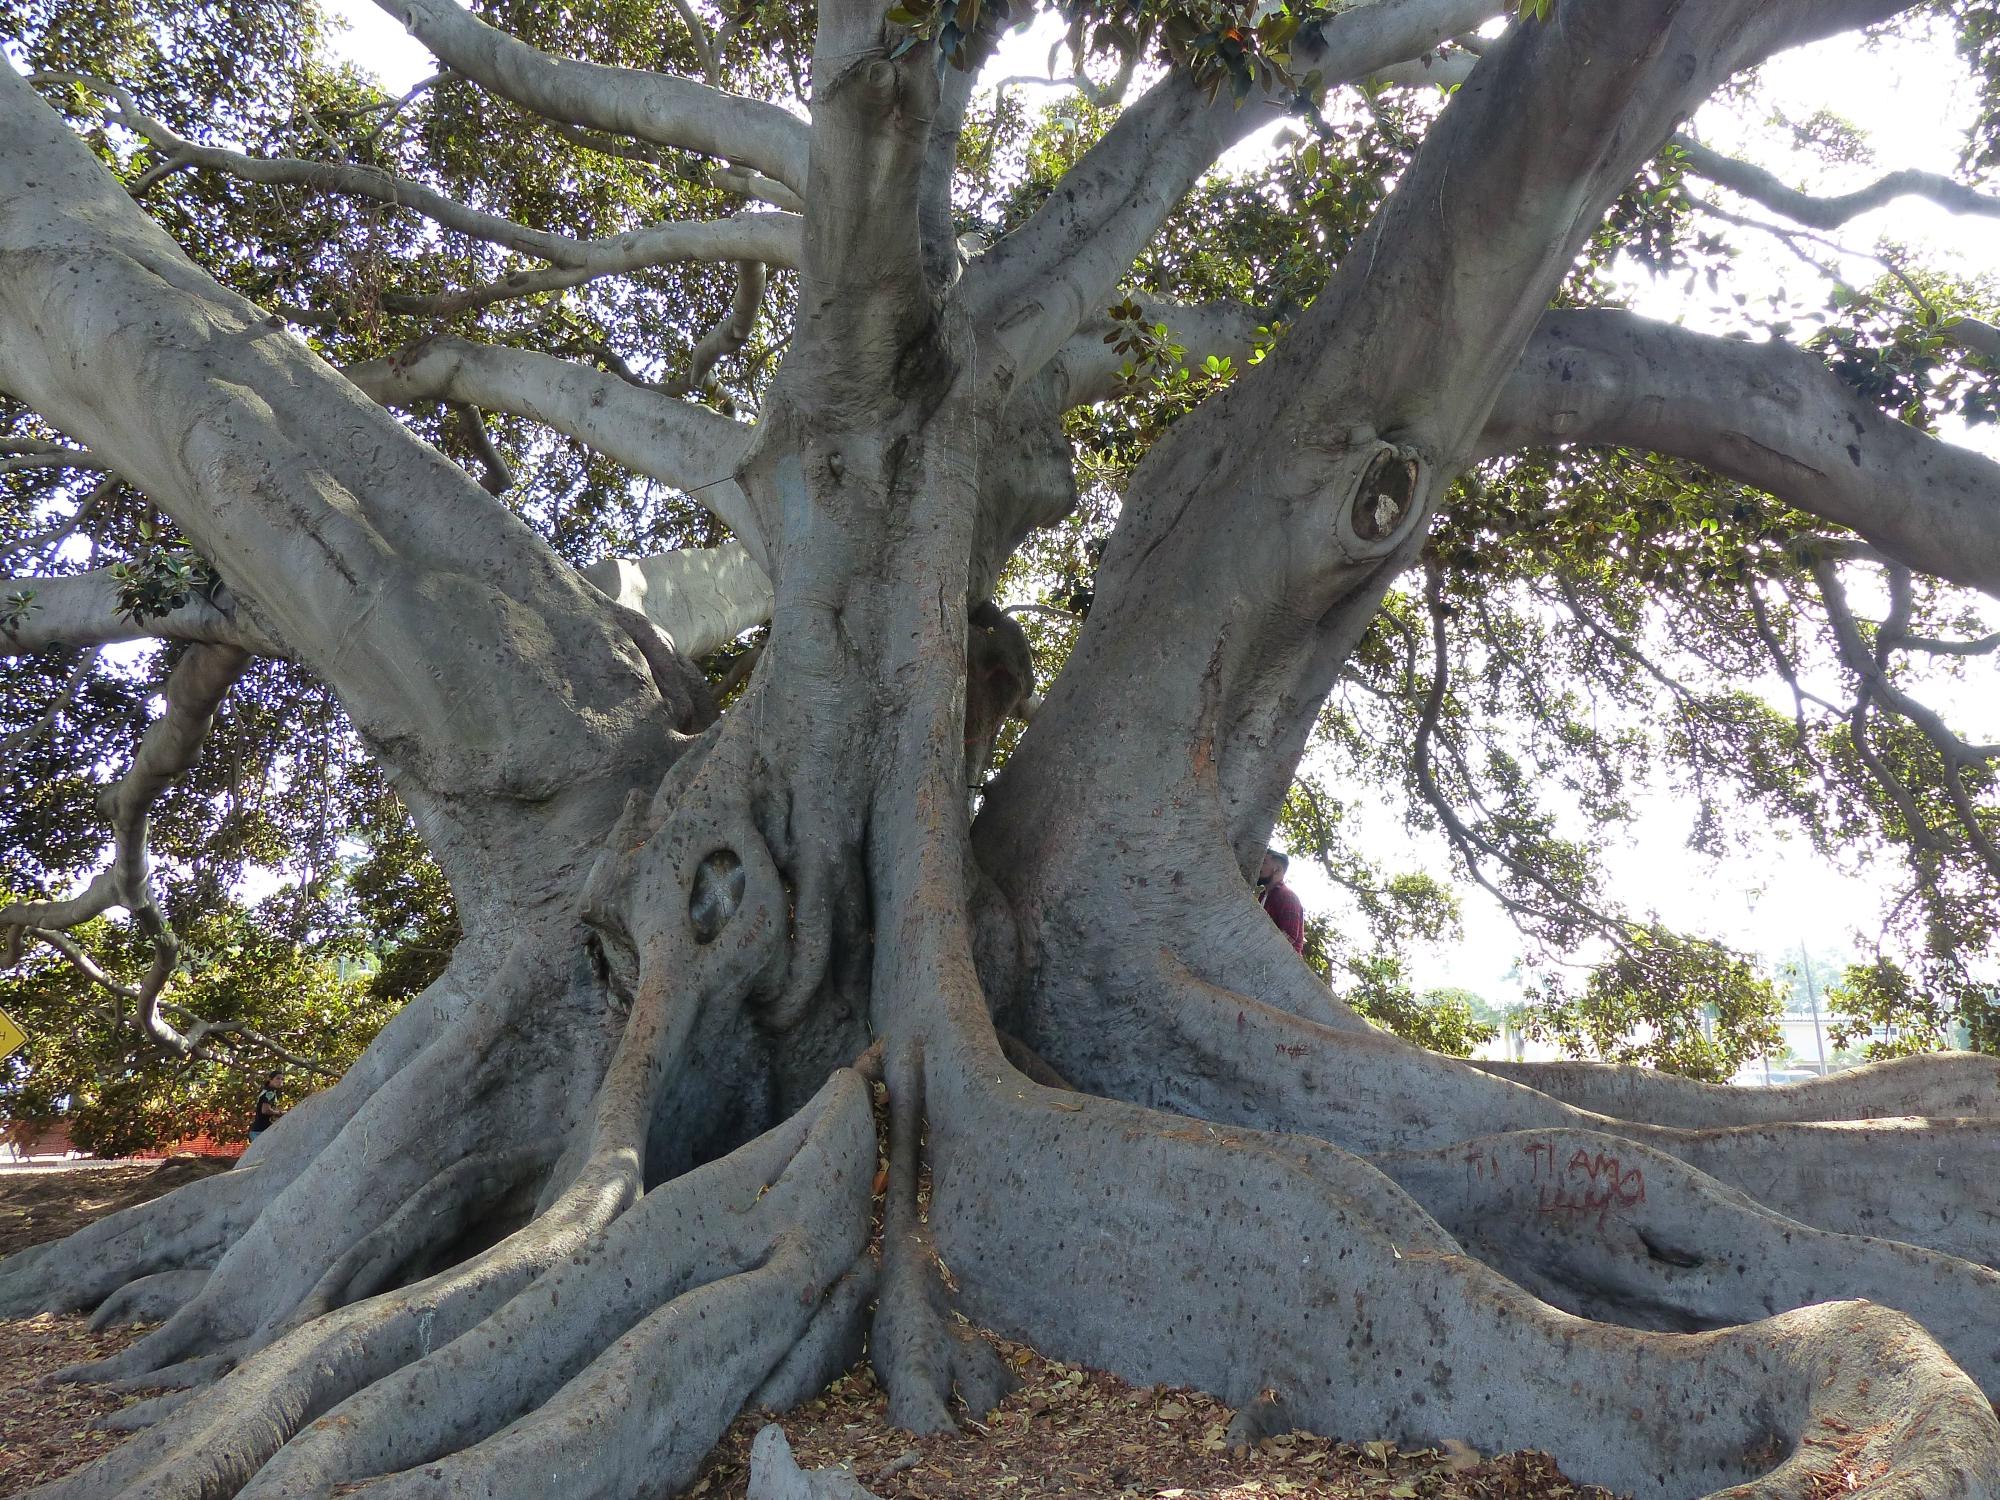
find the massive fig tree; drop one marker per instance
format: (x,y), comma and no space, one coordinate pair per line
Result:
(766,1041)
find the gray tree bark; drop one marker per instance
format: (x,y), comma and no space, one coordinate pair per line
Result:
(697,946)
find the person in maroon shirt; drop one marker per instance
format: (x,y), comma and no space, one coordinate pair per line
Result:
(1278,900)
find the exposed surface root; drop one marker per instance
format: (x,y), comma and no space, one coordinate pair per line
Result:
(438,1213)
(1951,1085)
(150,1299)
(1607,1228)
(501,1061)
(646,1412)
(920,1355)
(689,1253)
(195,1225)
(1168,1249)
(211,1446)
(189,1227)
(832,1342)
(1926,1182)
(1238,1062)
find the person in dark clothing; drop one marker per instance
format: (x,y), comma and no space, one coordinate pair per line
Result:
(1278,900)
(267,1105)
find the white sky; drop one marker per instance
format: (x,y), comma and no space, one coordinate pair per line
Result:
(1911,101)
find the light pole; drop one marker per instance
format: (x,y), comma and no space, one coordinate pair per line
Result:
(1750,918)
(1812,999)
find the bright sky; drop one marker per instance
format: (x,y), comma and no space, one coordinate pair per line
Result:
(1911,101)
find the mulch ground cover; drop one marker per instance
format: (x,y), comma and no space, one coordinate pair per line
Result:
(1072,1432)
(1066,1432)
(46,1429)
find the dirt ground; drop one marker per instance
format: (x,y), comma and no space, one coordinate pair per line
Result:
(45,1203)
(1066,1432)
(47,1428)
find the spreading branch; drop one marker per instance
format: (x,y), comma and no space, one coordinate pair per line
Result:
(1041,281)
(864,301)
(23,455)
(675,442)
(1975,337)
(1767,414)
(1869,663)
(171,744)
(730,332)
(1831,211)
(771,238)
(647,106)
(1089,365)
(701,597)
(334,177)
(86,609)
(349,539)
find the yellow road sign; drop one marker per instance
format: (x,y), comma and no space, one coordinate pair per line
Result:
(11,1036)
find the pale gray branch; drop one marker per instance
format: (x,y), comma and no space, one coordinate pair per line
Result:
(1042,281)
(756,185)
(1975,336)
(499,475)
(19,455)
(656,107)
(701,597)
(1767,414)
(1831,211)
(339,177)
(82,610)
(1985,645)
(361,548)
(675,442)
(1089,365)
(771,238)
(194,691)
(731,331)
(1441,70)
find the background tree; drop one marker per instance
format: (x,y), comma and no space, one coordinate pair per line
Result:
(611,1174)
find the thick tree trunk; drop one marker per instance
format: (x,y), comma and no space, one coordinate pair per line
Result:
(612,1176)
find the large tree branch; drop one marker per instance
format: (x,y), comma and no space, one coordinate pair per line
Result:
(655,107)
(83,610)
(1975,336)
(1257,528)
(701,597)
(194,691)
(942,258)
(771,238)
(374,558)
(1830,212)
(1768,414)
(675,442)
(1089,366)
(334,177)
(1040,282)
(864,302)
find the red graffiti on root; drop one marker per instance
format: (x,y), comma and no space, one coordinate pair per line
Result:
(1589,1184)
